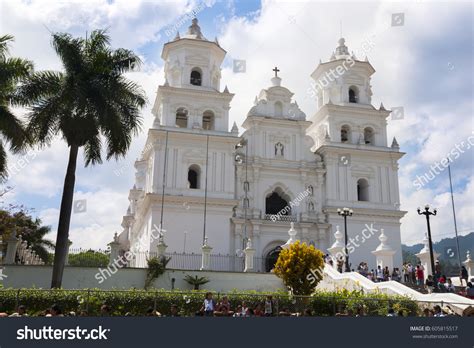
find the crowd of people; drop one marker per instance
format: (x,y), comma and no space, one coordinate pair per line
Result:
(413,275)
(223,308)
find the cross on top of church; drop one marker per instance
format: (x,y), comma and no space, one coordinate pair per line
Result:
(276,70)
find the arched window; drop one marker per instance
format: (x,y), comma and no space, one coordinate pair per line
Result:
(345,133)
(194,175)
(196,77)
(369,136)
(182,118)
(278,109)
(277,202)
(353,94)
(362,190)
(208,120)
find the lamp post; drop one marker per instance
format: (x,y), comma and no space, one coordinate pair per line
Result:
(427,214)
(345,212)
(241,144)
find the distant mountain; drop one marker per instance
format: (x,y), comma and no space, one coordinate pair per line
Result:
(447,250)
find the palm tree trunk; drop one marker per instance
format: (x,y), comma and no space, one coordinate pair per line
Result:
(62,239)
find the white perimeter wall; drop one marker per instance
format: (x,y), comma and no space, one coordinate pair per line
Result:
(82,277)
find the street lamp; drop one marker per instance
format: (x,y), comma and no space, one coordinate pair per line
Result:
(240,145)
(427,213)
(345,212)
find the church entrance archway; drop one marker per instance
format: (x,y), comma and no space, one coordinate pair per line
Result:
(271,258)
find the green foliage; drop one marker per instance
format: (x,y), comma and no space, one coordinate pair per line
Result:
(30,229)
(196,281)
(299,267)
(137,301)
(156,267)
(12,72)
(89,258)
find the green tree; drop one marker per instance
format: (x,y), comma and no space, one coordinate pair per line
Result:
(89,258)
(12,71)
(300,267)
(30,229)
(89,103)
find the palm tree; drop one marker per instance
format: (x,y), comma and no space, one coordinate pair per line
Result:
(88,103)
(12,71)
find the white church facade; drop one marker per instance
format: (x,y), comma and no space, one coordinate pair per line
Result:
(202,182)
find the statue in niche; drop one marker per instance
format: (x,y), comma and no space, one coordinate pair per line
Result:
(311,206)
(279,148)
(310,190)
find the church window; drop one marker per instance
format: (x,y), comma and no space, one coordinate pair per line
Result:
(194,173)
(182,118)
(277,203)
(208,120)
(345,133)
(196,77)
(353,94)
(363,190)
(369,136)
(278,109)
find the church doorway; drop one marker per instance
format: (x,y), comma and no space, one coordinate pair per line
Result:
(271,258)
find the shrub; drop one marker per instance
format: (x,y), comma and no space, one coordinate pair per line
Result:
(300,267)
(137,301)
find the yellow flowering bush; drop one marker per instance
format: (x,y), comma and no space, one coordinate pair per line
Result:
(300,267)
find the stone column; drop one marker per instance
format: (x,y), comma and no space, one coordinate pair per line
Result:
(114,249)
(469,263)
(337,249)
(249,254)
(66,261)
(384,253)
(425,259)
(206,256)
(12,246)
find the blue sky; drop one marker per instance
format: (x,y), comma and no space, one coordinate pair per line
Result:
(426,66)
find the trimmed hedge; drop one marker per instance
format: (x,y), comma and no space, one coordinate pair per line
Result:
(137,302)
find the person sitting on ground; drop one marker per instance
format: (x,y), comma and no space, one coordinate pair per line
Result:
(105,310)
(150,312)
(438,312)
(83,313)
(450,286)
(258,312)
(400,313)
(21,312)
(391,313)
(427,312)
(470,290)
(430,284)
(285,312)
(308,312)
(249,312)
(360,311)
(463,275)
(396,275)
(55,311)
(238,312)
(174,312)
(223,308)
